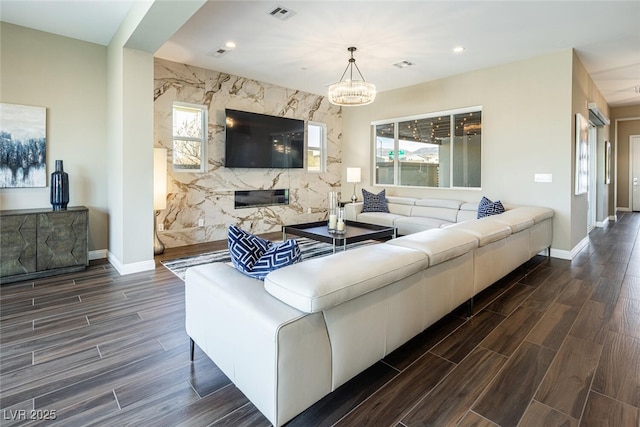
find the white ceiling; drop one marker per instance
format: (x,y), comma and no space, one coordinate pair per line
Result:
(309,50)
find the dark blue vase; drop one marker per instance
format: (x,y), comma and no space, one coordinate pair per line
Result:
(59,188)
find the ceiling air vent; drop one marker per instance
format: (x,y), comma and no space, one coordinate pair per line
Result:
(404,64)
(217,53)
(281,12)
(595,115)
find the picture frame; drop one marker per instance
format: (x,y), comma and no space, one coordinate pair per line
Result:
(23,146)
(582,155)
(607,162)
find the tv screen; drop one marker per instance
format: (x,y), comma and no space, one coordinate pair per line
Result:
(260,141)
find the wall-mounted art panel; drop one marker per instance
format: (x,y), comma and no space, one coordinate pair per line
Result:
(23,146)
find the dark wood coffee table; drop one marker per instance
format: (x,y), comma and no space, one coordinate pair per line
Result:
(355,232)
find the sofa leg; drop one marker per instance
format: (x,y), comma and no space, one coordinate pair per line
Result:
(470,307)
(191,348)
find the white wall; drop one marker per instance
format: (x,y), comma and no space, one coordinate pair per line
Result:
(68,77)
(526,119)
(148,24)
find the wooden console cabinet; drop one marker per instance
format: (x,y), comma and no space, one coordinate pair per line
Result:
(42,242)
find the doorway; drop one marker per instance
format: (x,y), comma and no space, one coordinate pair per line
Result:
(634,144)
(592,187)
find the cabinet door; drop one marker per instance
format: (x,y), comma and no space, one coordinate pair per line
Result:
(18,243)
(62,239)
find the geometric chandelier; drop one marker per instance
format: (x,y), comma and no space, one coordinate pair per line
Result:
(352,92)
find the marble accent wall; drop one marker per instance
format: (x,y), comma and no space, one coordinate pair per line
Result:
(209,196)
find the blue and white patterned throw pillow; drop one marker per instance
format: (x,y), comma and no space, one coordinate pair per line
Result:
(277,256)
(256,257)
(374,202)
(487,208)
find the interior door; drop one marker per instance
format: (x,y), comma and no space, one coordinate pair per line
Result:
(635,172)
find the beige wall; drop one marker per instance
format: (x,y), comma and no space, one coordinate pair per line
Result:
(584,91)
(68,77)
(527,129)
(625,121)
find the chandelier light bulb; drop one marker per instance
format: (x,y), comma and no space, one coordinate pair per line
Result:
(352,92)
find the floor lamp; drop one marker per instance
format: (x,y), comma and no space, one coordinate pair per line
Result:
(159,193)
(353,176)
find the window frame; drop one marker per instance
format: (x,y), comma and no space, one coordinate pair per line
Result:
(396,158)
(322,148)
(204,139)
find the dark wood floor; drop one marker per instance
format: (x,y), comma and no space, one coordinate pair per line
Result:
(555,344)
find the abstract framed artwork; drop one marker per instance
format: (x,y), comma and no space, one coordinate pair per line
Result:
(23,146)
(582,154)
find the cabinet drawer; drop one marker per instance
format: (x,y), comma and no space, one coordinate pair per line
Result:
(62,239)
(18,243)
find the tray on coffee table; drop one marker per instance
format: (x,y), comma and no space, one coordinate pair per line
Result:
(355,232)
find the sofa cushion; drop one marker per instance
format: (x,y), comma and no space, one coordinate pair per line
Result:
(415,224)
(440,203)
(256,257)
(467,212)
(374,202)
(487,208)
(514,219)
(311,286)
(538,214)
(439,244)
(399,209)
(378,218)
(399,200)
(485,230)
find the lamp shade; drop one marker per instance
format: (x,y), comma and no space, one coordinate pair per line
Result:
(159,179)
(353,174)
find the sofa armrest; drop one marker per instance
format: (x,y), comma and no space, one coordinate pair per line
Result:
(277,356)
(352,210)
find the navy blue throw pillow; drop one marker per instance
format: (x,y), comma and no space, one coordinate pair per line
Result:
(487,208)
(256,257)
(277,256)
(374,202)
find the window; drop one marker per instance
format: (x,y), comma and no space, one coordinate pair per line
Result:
(189,137)
(420,151)
(316,147)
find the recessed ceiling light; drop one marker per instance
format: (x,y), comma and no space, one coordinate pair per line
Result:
(458,49)
(230,45)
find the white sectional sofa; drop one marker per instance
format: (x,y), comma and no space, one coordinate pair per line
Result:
(310,327)
(410,215)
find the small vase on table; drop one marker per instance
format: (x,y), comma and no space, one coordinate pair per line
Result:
(341,225)
(333,211)
(59,188)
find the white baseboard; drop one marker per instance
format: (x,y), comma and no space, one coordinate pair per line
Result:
(136,267)
(560,254)
(99,254)
(624,209)
(569,255)
(602,224)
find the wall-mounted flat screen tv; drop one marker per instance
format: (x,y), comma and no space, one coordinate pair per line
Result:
(260,141)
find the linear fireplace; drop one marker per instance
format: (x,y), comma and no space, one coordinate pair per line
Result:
(255,198)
